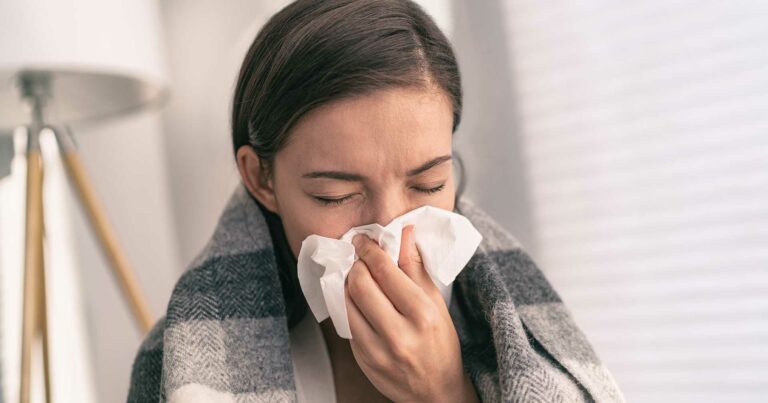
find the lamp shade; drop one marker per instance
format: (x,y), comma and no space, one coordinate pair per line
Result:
(101,57)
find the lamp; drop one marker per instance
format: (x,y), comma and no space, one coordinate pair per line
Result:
(63,62)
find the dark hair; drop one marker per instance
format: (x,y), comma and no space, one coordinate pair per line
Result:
(315,51)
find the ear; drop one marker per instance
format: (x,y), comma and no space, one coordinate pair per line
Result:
(255,177)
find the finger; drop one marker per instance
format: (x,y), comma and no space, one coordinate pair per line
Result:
(412,264)
(410,260)
(405,295)
(364,336)
(371,301)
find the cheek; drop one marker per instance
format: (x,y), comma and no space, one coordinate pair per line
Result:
(450,195)
(308,219)
(447,198)
(301,216)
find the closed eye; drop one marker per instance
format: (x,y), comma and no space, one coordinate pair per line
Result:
(338,201)
(431,190)
(327,201)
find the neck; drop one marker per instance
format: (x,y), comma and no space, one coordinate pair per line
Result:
(334,342)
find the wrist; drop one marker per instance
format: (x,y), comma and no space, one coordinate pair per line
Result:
(464,393)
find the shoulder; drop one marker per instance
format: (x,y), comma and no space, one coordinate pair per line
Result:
(495,236)
(521,274)
(146,373)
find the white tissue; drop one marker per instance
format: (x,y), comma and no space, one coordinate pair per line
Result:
(446,241)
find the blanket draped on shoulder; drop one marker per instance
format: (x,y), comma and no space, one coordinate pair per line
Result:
(225,338)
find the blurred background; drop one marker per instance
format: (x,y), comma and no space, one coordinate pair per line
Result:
(625,144)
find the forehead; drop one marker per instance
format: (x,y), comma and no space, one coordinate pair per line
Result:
(394,128)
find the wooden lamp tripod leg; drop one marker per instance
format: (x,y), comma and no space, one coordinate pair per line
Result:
(43,316)
(100,224)
(34,310)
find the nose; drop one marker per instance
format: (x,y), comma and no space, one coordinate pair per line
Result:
(388,208)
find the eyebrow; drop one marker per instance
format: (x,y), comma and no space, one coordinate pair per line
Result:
(352,177)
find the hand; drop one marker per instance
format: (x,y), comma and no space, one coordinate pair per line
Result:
(403,337)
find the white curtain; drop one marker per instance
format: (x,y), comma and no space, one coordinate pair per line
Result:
(644,127)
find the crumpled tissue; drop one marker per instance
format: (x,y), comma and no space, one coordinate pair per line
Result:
(446,241)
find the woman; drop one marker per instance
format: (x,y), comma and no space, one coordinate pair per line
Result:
(343,115)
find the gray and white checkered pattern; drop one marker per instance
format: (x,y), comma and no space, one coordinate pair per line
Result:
(225,337)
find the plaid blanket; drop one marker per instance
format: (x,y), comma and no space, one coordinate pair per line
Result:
(224,337)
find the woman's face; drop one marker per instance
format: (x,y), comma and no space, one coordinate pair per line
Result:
(364,160)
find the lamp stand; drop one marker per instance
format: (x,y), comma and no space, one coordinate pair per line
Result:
(35,89)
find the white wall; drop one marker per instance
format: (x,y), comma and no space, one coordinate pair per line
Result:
(489,135)
(127,163)
(206,44)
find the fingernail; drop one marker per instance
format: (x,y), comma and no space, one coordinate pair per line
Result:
(412,238)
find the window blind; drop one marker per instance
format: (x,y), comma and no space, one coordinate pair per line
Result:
(645,131)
